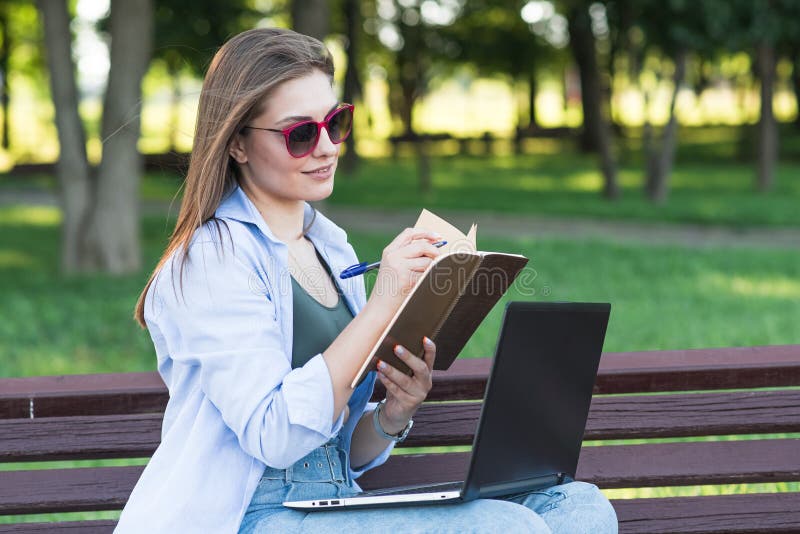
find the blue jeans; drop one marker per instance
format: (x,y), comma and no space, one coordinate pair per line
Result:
(573,507)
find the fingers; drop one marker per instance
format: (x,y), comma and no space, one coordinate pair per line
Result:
(421,248)
(419,264)
(410,234)
(419,384)
(430,353)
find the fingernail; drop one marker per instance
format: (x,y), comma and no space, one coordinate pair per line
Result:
(398,350)
(381,364)
(427,341)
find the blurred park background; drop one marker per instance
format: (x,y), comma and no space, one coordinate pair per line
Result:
(640,152)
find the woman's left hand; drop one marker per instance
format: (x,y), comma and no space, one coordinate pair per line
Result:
(404,393)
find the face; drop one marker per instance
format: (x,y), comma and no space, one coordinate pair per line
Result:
(264,161)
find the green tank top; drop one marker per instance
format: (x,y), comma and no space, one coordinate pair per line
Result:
(315,325)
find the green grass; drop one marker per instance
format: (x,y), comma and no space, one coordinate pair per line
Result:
(663,297)
(568,185)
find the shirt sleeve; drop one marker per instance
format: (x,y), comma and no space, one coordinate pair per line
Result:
(214,317)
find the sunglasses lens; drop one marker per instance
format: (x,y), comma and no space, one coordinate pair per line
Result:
(302,138)
(339,125)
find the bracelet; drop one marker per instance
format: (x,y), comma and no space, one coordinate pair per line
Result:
(381,432)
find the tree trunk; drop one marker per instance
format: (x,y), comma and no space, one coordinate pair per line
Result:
(113,236)
(408,92)
(648,148)
(423,165)
(767,126)
(660,162)
(583,50)
(796,86)
(352,78)
(311,17)
(596,133)
(533,89)
(5,51)
(175,106)
(72,167)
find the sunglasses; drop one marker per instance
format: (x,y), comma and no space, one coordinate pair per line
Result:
(302,137)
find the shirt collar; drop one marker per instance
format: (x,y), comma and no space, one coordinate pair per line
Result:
(238,206)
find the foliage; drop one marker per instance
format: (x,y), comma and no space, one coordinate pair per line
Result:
(188,32)
(494,38)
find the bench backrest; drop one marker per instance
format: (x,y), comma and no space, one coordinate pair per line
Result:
(119,416)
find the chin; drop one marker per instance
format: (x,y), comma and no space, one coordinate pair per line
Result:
(322,192)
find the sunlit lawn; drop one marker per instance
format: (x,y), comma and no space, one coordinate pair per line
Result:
(663,297)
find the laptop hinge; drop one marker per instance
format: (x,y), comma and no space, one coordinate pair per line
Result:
(519,486)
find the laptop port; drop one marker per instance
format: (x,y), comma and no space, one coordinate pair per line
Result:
(333,503)
(323,503)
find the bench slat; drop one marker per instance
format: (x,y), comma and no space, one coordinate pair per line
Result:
(627,466)
(615,417)
(66,490)
(79,438)
(627,372)
(641,416)
(666,464)
(734,514)
(100,526)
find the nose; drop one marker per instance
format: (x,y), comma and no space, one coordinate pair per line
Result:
(325,147)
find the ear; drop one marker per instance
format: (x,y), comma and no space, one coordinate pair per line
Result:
(237,150)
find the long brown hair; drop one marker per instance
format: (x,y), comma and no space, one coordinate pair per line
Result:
(244,71)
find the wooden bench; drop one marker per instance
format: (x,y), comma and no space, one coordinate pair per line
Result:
(666,394)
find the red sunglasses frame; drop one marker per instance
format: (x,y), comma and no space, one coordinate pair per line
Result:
(320,125)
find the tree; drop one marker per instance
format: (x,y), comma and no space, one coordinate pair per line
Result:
(20,53)
(100,213)
(596,133)
(765,29)
(5,52)
(353,21)
(414,47)
(671,32)
(495,38)
(311,17)
(188,33)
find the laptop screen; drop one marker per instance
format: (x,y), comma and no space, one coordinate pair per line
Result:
(538,396)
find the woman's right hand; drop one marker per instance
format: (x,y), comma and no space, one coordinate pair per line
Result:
(402,263)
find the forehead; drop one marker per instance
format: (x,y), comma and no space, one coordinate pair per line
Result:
(311,96)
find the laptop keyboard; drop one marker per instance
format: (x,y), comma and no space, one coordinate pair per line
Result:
(405,490)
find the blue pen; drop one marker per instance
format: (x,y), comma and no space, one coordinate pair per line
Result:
(361,268)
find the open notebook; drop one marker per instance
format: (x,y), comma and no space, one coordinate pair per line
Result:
(449,300)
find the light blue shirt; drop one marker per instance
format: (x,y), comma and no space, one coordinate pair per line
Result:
(224,347)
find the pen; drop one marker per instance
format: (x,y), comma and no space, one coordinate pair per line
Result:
(361,268)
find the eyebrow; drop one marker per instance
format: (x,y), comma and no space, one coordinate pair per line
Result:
(298,118)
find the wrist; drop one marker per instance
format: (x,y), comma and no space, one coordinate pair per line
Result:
(385,433)
(389,426)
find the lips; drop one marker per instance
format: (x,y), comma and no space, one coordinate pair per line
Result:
(321,172)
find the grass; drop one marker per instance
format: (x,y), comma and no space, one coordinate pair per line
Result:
(663,297)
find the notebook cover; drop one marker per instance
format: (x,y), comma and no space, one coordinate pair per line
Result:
(448,304)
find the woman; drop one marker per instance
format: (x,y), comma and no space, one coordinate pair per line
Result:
(257,341)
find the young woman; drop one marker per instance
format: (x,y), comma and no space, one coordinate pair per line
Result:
(258,340)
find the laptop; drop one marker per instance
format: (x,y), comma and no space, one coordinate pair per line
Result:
(534,409)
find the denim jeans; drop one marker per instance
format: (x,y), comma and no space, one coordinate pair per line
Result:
(573,507)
